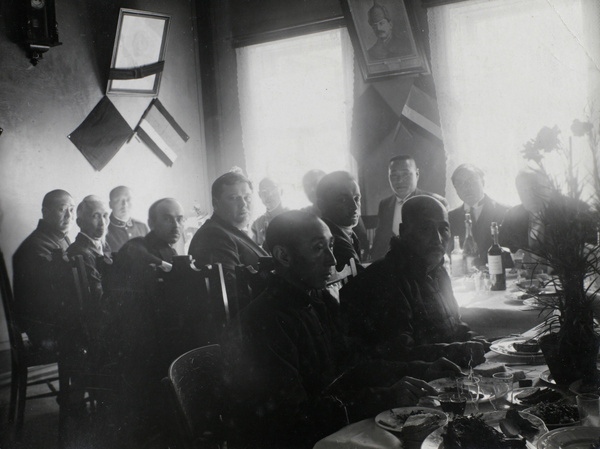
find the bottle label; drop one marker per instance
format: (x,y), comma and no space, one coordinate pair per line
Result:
(458,266)
(495,264)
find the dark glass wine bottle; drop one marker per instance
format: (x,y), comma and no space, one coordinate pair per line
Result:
(497,275)
(470,249)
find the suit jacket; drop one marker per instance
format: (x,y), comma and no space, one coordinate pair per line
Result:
(383,233)
(492,211)
(35,312)
(345,247)
(514,232)
(219,242)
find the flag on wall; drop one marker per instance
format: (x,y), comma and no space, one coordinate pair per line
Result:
(102,134)
(421,109)
(161,133)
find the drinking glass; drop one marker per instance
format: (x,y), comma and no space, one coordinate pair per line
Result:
(453,403)
(503,390)
(469,387)
(588,405)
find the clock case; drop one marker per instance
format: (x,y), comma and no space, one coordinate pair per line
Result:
(40,29)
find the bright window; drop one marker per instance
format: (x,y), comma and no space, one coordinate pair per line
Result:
(296,107)
(503,69)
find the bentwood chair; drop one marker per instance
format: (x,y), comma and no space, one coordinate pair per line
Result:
(192,306)
(341,278)
(195,388)
(24,356)
(250,282)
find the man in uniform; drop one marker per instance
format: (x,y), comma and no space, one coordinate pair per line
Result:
(122,227)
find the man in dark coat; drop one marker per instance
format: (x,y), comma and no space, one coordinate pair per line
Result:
(402,307)
(223,238)
(468,180)
(338,199)
(36,312)
(285,354)
(403,176)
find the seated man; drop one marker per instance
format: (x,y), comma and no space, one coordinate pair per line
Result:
(310,181)
(270,193)
(338,198)
(403,176)
(92,219)
(285,353)
(133,327)
(222,238)
(122,227)
(35,312)
(402,307)
(522,226)
(468,182)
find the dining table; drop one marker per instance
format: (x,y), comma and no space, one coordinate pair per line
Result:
(530,370)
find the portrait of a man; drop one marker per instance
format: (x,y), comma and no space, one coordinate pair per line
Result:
(392,41)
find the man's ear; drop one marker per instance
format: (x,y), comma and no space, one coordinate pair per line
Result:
(417,172)
(78,221)
(282,255)
(151,223)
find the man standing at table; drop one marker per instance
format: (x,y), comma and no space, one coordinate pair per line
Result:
(338,199)
(35,311)
(403,176)
(285,353)
(222,238)
(468,182)
(403,307)
(122,227)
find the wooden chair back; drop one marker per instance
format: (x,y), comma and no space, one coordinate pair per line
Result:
(341,278)
(193,305)
(250,282)
(195,386)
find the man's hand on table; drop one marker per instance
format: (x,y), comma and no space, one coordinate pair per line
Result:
(442,368)
(409,390)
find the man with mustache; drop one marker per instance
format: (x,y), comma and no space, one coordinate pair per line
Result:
(338,199)
(390,44)
(402,307)
(291,377)
(223,237)
(122,227)
(403,176)
(35,310)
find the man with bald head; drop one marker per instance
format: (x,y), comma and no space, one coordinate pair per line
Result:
(35,312)
(270,193)
(338,199)
(285,352)
(122,227)
(403,306)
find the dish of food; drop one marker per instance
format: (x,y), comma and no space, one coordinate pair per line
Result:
(486,428)
(535,395)
(448,385)
(555,414)
(411,421)
(570,438)
(506,346)
(547,377)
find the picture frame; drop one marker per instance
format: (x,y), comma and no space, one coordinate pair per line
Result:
(384,38)
(138,53)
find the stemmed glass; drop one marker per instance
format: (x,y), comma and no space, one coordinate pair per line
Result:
(469,387)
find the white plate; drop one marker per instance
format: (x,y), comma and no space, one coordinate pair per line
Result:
(435,440)
(546,376)
(517,401)
(552,426)
(388,420)
(505,346)
(448,385)
(569,438)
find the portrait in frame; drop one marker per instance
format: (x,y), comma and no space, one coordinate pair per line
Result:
(138,53)
(384,39)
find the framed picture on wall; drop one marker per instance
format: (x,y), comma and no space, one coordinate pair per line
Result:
(384,39)
(139,53)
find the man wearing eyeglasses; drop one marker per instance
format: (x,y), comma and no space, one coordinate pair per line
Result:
(468,180)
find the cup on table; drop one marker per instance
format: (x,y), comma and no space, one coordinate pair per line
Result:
(469,387)
(588,405)
(503,389)
(453,403)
